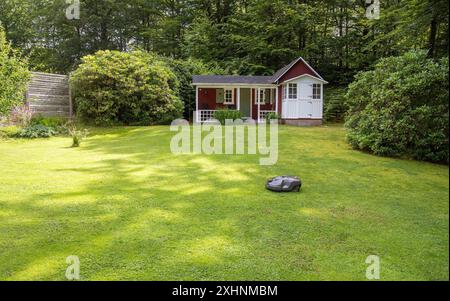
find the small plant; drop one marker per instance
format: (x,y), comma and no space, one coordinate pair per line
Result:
(37,131)
(21,115)
(53,122)
(60,125)
(77,135)
(9,131)
(270,116)
(222,115)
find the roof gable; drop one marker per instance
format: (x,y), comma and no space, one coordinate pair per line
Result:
(294,69)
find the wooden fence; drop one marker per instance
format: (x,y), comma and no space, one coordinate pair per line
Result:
(49,95)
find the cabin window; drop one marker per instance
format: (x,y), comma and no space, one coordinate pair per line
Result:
(262,96)
(292,91)
(285,92)
(228,97)
(316,91)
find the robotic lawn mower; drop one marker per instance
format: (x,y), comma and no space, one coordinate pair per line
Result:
(284,184)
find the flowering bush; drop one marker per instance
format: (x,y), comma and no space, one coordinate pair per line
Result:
(21,115)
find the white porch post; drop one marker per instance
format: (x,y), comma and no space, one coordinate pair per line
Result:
(258,96)
(276,100)
(321,100)
(196,104)
(238,105)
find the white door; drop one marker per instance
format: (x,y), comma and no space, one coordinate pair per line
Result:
(306,101)
(306,91)
(308,108)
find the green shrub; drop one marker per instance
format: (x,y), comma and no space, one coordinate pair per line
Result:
(36,131)
(14,76)
(9,131)
(222,115)
(128,88)
(270,116)
(401,108)
(334,106)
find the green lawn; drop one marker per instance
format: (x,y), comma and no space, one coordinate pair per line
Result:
(129,209)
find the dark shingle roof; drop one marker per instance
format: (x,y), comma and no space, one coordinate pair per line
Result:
(231,79)
(238,79)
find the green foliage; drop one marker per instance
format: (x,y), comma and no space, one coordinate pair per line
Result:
(59,125)
(401,108)
(9,131)
(129,88)
(413,24)
(334,106)
(34,126)
(184,70)
(77,135)
(271,115)
(14,76)
(37,131)
(222,115)
(246,37)
(53,122)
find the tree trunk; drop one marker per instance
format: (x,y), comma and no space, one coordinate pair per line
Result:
(432,37)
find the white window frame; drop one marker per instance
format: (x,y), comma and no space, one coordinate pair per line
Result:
(262,98)
(317,93)
(285,91)
(225,102)
(291,86)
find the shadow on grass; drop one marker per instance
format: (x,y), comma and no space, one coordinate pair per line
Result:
(144,213)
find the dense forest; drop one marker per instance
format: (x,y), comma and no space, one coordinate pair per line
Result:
(253,37)
(132,61)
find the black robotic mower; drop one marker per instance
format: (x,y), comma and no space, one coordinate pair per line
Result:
(284,184)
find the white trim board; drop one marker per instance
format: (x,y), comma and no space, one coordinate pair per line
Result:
(304,75)
(300,58)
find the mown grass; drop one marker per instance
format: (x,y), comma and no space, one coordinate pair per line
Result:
(131,210)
